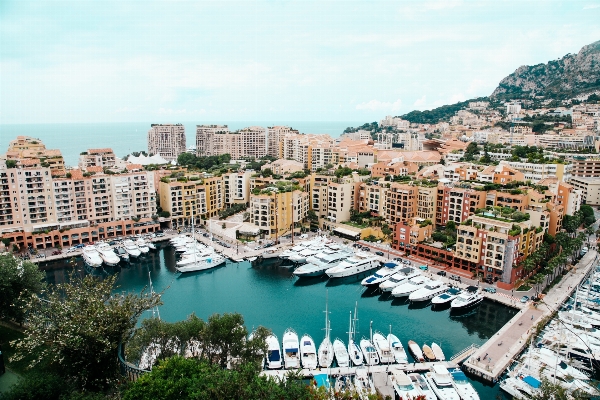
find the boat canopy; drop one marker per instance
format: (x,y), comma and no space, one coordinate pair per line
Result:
(472,288)
(390,265)
(531,381)
(454,291)
(274,355)
(291,350)
(458,375)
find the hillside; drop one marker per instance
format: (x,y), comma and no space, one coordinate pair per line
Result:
(566,77)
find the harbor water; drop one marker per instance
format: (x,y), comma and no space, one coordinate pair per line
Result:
(268,294)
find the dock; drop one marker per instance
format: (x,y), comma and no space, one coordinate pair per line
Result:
(491,359)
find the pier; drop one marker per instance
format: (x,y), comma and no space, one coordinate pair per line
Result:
(493,358)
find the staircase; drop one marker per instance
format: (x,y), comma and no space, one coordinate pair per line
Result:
(464,354)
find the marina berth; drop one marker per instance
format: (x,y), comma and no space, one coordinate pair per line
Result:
(399,353)
(342,358)
(461,384)
(437,350)
(428,292)
(440,381)
(381,275)
(404,386)
(399,278)
(415,351)
(308,352)
(369,352)
(382,345)
(446,297)
(291,346)
(273,358)
(419,381)
(469,298)
(354,265)
(412,285)
(131,248)
(109,257)
(91,256)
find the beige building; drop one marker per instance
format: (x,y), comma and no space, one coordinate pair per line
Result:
(168,140)
(237,187)
(284,167)
(340,199)
(584,167)
(589,188)
(217,139)
(104,158)
(401,202)
(274,213)
(30,152)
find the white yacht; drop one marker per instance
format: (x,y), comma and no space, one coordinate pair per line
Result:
(437,350)
(131,248)
(290,349)
(465,390)
(317,265)
(410,286)
(470,298)
(428,292)
(294,250)
(273,357)
(353,350)
(445,297)
(208,261)
(440,381)
(399,353)
(357,263)
(524,387)
(369,352)
(308,352)
(383,347)
(301,256)
(341,354)
(363,383)
(107,254)
(381,275)
(150,245)
(421,383)
(123,255)
(416,351)
(91,256)
(404,387)
(399,278)
(326,348)
(141,244)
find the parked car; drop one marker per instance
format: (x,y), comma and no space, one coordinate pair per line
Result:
(406,262)
(455,278)
(488,280)
(79,246)
(398,259)
(379,253)
(441,273)
(424,267)
(160,234)
(490,289)
(366,248)
(524,299)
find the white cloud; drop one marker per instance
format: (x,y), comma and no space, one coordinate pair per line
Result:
(420,102)
(591,6)
(376,105)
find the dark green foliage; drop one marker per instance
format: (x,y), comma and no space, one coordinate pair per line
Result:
(343,171)
(11,163)
(203,163)
(471,152)
(36,386)
(19,281)
(436,115)
(234,209)
(373,127)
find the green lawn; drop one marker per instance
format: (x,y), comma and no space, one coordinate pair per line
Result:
(523,288)
(354,224)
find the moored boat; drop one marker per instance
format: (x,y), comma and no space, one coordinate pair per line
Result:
(404,387)
(291,346)
(399,278)
(109,257)
(437,350)
(381,275)
(356,264)
(428,292)
(131,248)
(445,298)
(468,299)
(382,345)
(415,351)
(465,390)
(399,353)
(308,352)
(440,381)
(428,353)
(273,357)
(341,354)
(91,256)
(410,286)
(369,352)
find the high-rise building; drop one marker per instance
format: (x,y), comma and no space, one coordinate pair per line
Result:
(167,140)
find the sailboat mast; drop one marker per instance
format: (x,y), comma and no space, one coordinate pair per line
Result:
(350,329)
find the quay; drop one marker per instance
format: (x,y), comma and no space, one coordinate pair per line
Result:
(372,369)
(493,357)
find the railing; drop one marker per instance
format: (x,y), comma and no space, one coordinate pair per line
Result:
(464,353)
(127,369)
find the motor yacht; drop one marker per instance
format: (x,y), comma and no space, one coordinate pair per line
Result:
(290,349)
(399,353)
(465,390)
(428,292)
(273,358)
(437,350)
(363,383)
(470,298)
(341,354)
(308,352)
(122,254)
(410,286)
(416,351)
(421,383)
(440,381)
(445,297)
(383,347)
(317,265)
(404,386)
(301,256)
(91,256)
(141,244)
(369,352)
(294,250)
(109,257)
(210,260)
(150,245)
(381,275)
(521,387)
(131,248)
(357,263)
(399,278)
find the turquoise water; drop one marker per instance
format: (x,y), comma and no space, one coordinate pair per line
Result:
(128,137)
(268,295)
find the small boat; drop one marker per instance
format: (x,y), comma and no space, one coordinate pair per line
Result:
(446,297)
(382,345)
(416,351)
(521,388)
(399,278)
(404,387)
(109,257)
(326,348)
(411,286)
(465,390)
(308,352)
(363,384)
(151,245)
(437,350)
(353,350)
(399,353)
(440,381)
(341,354)
(428,353)
(141,244)
(369,352)
(428,292)
(381,275)
(122,254)
(91,256)
(421,383)
(317,265)
(131,248)
(273,358)
(290,349)
(467,299)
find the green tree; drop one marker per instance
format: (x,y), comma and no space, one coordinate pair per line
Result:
(311,215)
(77,328)
(19,281)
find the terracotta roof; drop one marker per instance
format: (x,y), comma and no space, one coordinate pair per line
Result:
(97,151)
(94,169)
(422,156)
(29,161)
(132,167)
(76,174)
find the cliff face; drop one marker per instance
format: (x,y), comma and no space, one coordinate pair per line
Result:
(567,77)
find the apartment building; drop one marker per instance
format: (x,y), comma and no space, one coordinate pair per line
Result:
(456,204)
(237,187)
(340,199)
(275,135)
(408,234)
(394,168)
(217,139)
(589,188)
(103,158)
(205,145)
(318,194)
(426,202)
(27,148)
(275,213)
(401,202)
(535,172)
(371,197)
(283,166)
(585,167)
(167,140)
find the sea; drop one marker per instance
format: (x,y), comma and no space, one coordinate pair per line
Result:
(268,294)
(127,137)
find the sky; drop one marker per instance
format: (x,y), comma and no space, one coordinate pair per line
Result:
(170,61)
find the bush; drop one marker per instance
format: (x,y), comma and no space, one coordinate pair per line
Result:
(38,385)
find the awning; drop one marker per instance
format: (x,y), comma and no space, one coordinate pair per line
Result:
(347,232)
(390,265)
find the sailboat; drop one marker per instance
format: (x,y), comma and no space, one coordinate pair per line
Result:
(326,348)
(353,349)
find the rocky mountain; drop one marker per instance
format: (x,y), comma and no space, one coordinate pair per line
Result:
(566,77)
